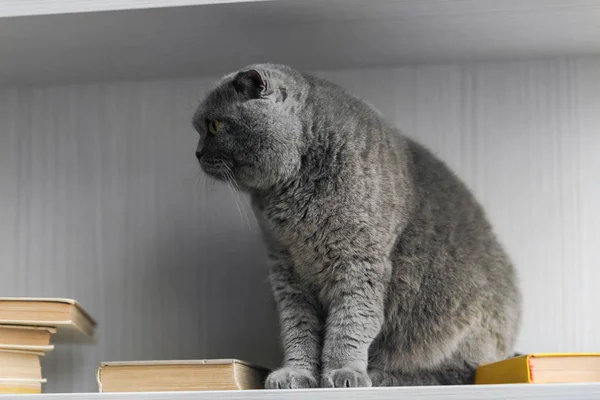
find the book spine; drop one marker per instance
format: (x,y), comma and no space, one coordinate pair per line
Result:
(530,377)
(99,378)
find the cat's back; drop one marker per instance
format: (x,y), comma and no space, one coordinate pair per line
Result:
(438,190)
(448,221)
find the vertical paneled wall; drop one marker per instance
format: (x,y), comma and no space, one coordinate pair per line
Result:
(101,200)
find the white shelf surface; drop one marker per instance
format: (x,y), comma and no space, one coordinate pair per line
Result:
(20,8)
(473,392)
(74,41)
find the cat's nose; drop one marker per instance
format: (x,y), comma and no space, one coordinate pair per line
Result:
(199,154)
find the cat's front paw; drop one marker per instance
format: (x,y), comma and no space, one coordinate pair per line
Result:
(382,378)
(345,377)
(290,378)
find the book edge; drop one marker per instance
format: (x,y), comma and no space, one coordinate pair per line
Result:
(99,378)
(241,368)
(41,299)
(62,300)
(545,355)
(217,361)
(29,327)
(530,369)
(22,351)
(22,380)
(27,348)
(234,371)
(38,323)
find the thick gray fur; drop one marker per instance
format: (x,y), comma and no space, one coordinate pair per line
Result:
(384,267)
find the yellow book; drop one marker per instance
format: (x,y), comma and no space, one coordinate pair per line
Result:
(21,386)
(542,368)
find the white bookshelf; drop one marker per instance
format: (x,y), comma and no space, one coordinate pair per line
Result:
(95,103)
(79,41)
(491,392)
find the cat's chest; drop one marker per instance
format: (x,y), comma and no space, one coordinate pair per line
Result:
(296,225)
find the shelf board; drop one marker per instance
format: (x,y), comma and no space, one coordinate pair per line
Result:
(20,8)
(81,41)
(479,392)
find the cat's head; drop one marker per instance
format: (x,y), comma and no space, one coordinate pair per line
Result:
(249,127)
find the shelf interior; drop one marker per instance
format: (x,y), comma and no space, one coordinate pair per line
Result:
(204,39)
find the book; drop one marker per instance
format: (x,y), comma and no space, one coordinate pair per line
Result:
(20,365)
(72,322)
(30,338)
(542,368)
(21,386)
(18,347)
(190,375)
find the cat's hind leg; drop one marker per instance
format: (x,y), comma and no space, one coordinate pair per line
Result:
(461,374)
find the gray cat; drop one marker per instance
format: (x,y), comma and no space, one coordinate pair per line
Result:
(384,267)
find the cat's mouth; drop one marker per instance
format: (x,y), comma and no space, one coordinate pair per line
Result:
(217,168)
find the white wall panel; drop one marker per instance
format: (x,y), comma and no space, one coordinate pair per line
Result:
(101,200)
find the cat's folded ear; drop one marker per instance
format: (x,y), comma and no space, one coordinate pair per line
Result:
(251,84)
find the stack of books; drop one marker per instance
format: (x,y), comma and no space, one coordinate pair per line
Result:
(27,328)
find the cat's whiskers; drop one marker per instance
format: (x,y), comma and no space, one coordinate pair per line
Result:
(192,182)
(205,186)
(228,179)
(196,188)
(238,195)
(245,201)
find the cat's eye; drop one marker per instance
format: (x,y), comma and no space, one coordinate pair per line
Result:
(213,127)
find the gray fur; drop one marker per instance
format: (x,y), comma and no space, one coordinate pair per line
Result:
(384,267)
